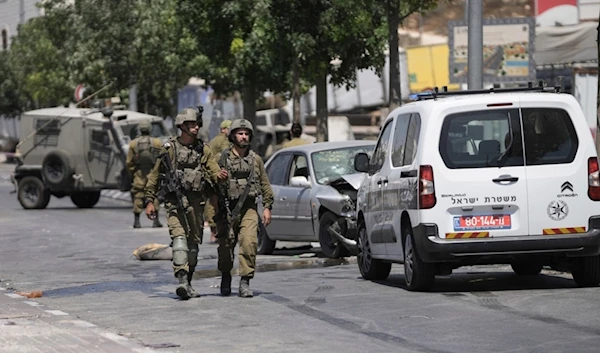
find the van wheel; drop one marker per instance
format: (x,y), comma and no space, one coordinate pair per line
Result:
(265,244)
(586,271)
(523,268)
(85,199)
(370,268)
(32,194)
(57,169)
(418,275)
(330,246)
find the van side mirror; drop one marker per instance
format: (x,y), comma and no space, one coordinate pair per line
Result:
(361,162)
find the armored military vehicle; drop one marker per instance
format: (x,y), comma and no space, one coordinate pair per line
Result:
(76,152)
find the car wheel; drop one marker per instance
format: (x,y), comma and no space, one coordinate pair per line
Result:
(330,246)
(586,271)
(370,268)
(57,169)
(418,275)
(265,244)
(523,268)
(32,194)
(85,199)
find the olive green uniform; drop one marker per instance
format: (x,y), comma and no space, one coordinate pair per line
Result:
(296,141)
(199,174)
(218,144)
(246,229)
(138,171)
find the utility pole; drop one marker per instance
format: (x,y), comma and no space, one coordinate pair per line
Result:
(475,57)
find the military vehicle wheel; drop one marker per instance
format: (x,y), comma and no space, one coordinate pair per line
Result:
(85,199)
(265,244)
(32,194)
(57,169)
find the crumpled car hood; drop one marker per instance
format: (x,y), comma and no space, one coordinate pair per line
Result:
(353,179)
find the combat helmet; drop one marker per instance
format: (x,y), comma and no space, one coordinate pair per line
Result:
(240,124)
(188,114)
(145,127)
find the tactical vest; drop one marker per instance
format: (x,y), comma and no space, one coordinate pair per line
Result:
(146,154)
(239,175)
(188,165)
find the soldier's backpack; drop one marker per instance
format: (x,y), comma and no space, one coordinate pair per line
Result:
(146,154)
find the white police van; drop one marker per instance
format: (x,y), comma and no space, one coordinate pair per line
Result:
(481,177)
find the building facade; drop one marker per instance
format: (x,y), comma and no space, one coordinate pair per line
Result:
(13,13)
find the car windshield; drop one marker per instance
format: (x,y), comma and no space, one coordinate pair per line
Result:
(329,165)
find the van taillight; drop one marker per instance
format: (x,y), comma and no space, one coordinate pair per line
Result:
(593,179)
(426,189)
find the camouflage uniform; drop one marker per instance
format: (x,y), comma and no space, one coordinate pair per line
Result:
(245,227)
(296,141)
(198,170)
(139,167)
(218,144)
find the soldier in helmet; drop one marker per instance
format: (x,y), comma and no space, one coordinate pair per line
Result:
(247,181)
(197,173)
(218,144)
(141,157)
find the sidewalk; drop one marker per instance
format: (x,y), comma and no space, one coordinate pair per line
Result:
(27,326)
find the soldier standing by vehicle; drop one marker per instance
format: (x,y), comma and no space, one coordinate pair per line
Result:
(247,181)
(218,144)
(190,175)
(141,158)
(296,132)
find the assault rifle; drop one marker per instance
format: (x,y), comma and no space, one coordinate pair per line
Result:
(171,184)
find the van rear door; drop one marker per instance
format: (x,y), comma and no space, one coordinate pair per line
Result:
(482,191)
(557,170)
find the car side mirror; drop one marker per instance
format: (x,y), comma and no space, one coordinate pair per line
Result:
(361,162)
(300,181)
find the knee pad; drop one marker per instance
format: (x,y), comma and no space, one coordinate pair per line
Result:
(180,251)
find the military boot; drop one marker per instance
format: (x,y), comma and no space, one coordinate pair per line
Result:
(190,289)
(225,283)
(156,223)
(136,221)
(182,288)
(245,291)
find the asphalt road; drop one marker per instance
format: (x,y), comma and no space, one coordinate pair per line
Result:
(81,260)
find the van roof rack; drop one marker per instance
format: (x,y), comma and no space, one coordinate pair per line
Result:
(445,93)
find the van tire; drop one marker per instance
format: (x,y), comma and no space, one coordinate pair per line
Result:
(371,269)
(32,193)
(85,199)
(330,247)
(523,268)
(586,271)
(57,169)
(418,275)
(265,245)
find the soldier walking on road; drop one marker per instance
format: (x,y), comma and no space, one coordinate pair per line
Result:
(218,144)
(141,157)
(296,132)
(191,175)
(247,181)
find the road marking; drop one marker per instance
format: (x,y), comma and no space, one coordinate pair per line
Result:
(57,312)
(13,295)
(32,303)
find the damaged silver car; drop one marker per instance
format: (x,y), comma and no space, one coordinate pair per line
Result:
(314,188)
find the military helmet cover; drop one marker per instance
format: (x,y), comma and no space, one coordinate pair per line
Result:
(240,124)
(188,114)
(225,124)
(145,126)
